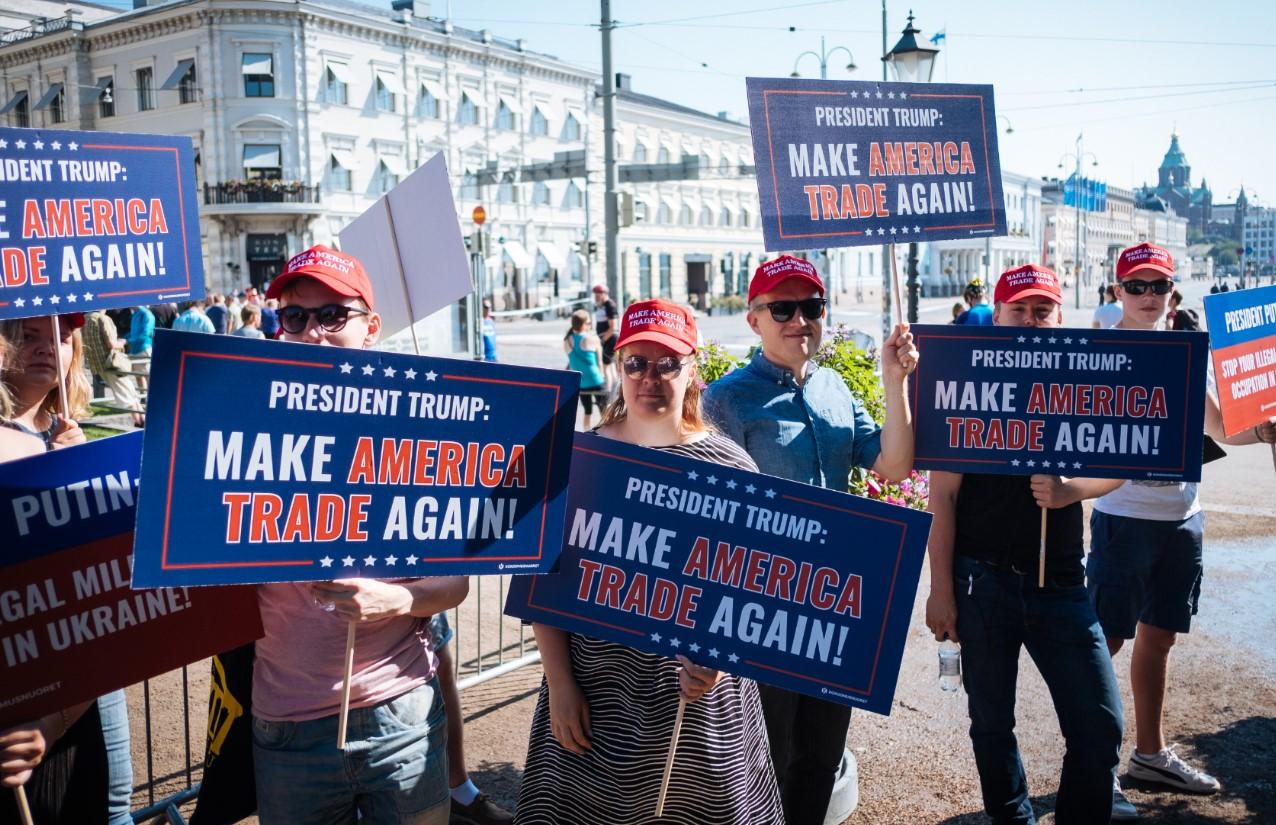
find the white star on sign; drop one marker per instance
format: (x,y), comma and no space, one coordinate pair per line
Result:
(917,229)
(71,298)
(57,144)
(893,230)
(1032,463)
(1076,465)
(1045,464)
(36,301)
(369,560)
(1067,340)
(411,560)
(21,144)
(1014,462)
(770,493)
(1022,339)
(711,479)
(904,229)
(655,637)
(4,144)
(731,485)
(39,144)
(734,658)
(879,94)
(1036,339)
(346,367)
(903,95)
(326,561)
(692,475)
(855,94)
(73,146)
(54,299)
(881,231)
(88,296)
(891,95)
(675,642)
(348,561)
(367,369)
(431,375)
(410,375)
(1081,341)
(750,489)
(390,560)
(693,647)
(713,651)
(388,372)
(19,302)
(1052,339)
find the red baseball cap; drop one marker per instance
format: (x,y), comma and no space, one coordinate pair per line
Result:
(1026,281)
(661,322)
(773,273)
(74,320)
(338,271)
(600,288)
(1144,256)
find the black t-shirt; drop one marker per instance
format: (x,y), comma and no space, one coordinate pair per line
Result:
(603,315)
(999,521)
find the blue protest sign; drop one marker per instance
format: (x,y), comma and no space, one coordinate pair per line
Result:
(70,627)
(269,461)
(792,585)
(1242,328)
(1074,402)
(843,163)
(96,220)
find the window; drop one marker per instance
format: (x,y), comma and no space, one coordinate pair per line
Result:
(662,155)
(724,165)
(571,127)
(504,117)
(144,79)
(684,216)
(340,176)
(386,89)
(259,74)
(574,198)
(724,218)
(665,213)
(640,155)
(429,104)
(539,124)
(642,213)
(187,90)
(644,275)
(55,101)
(467,112)
(469,187)
(744,217)
(106,97)
(706,216)
(21,108)
(262,161)
(705,163)
(336,83)
(666,275)
(540,194)
(505,190)
(389,170)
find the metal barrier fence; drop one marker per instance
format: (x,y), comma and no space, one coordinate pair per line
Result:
(486,645)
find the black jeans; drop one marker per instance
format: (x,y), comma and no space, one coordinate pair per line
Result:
(807,738)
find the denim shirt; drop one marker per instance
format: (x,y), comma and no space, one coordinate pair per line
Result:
(813,433)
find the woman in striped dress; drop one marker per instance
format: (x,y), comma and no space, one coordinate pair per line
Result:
(606,712)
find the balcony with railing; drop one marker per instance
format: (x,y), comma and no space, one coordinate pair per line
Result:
(260,196)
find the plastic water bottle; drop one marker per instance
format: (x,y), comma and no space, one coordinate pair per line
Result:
(949,666)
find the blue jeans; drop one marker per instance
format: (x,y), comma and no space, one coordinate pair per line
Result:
(392,772)
(999,611)
(113,711)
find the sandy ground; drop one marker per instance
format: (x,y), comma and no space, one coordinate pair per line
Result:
(916,765)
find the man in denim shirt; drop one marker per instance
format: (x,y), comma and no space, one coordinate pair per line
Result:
(799,421)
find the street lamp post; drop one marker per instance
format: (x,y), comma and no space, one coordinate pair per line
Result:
(912,64)
(823,56)
(1079,156)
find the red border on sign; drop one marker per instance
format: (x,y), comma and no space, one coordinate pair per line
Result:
(886,611)
(775,188)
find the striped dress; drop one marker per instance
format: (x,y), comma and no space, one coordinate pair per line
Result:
(722,772)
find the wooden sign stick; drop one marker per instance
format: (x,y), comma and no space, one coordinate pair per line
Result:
(64,403)
(673,748)
(24,809)
(345,688)
(1041,554)
(896,293)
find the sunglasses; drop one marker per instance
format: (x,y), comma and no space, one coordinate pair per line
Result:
(667,367)
(1160,287)
(332,317)
(812,309)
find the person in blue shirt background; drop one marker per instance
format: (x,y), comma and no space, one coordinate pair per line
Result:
(799,421)
(979,314)
(489,332)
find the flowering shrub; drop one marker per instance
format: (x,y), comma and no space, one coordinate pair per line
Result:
(858,368)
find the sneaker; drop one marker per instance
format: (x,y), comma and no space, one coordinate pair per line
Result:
(482,811)
(1123,809)
(1168,768)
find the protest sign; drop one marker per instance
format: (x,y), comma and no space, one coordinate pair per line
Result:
(96,220)
(1242,327)
(270,461)
(796,586)
(1073,402)
(843,163)
(410,243)
(70,627)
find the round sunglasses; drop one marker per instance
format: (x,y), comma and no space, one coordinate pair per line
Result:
(332,317)
(812,309)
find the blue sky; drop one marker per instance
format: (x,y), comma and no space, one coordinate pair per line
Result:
(1143,68)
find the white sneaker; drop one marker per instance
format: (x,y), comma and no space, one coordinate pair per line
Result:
(1123,809)
(1168,768)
